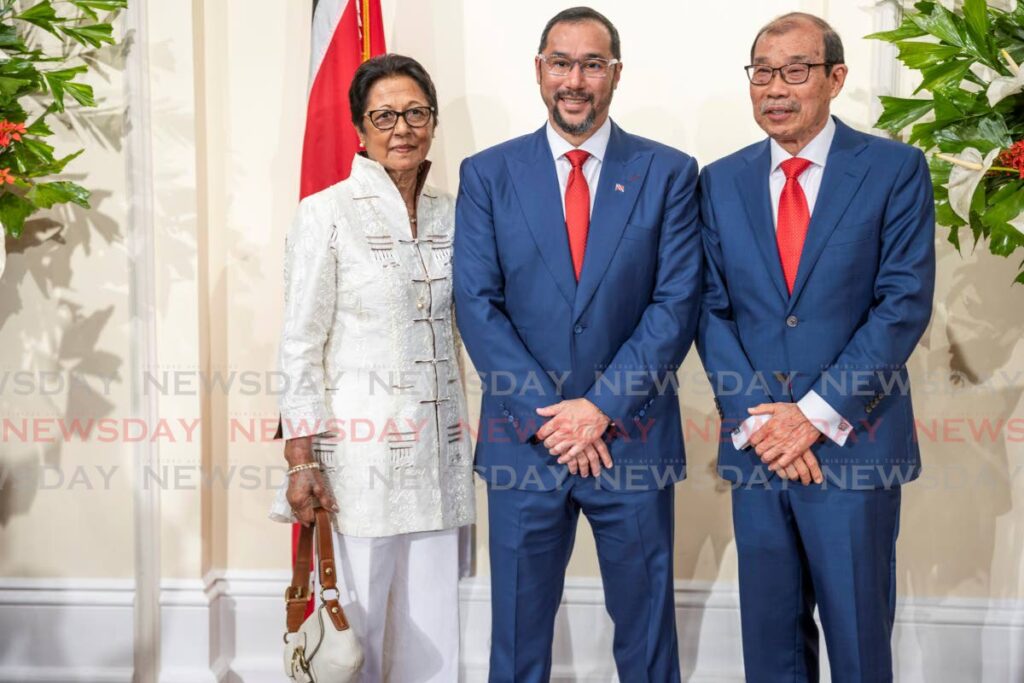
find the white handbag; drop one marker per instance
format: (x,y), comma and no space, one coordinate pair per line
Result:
(322,648)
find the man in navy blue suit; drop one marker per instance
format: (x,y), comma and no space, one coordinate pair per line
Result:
(819,273)
(577,275)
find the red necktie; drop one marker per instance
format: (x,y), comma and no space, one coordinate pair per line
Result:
(791,228)
(577,208)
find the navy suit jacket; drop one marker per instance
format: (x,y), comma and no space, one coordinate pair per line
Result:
(537,336)
(861,301)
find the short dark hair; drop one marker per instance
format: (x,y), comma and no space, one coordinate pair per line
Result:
(386,66)
(788,22)
(575,15)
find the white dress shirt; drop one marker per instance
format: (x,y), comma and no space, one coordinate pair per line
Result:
(816,152)
(596,144)
(813,406)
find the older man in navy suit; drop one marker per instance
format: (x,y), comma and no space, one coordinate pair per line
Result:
(820,267)
(577,285)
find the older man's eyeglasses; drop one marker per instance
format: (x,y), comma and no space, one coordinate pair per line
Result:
(593,67)
(386,119)
(794,74)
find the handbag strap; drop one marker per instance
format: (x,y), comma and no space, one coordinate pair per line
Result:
(297,594)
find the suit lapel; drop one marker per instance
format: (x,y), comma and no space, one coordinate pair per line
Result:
(752,188)
(535,183)
(622,176)
(843,176)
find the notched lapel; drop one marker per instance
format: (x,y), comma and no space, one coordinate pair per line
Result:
(752,188)
(844,174)
(535,183)
(617,192)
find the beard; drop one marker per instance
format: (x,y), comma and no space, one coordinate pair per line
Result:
(573,128)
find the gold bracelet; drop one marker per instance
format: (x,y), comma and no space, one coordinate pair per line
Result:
(304,466)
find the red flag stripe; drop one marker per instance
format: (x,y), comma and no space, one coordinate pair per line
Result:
(330,140)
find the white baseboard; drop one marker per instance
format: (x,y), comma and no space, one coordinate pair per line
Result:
(249,612)
(227,629)
(186,632)
(81,631)
(66,631)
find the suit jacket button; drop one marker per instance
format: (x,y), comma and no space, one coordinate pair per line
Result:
(792,321)
(578,329)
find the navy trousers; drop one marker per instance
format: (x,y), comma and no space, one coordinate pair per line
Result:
(806,546)
(531,538)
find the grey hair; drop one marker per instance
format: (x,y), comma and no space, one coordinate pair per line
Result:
(788,22)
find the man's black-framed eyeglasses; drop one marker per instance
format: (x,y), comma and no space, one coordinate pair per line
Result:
(794,74)
(386,119)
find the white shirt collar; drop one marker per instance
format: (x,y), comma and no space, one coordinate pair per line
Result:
(815,151)
(596,144)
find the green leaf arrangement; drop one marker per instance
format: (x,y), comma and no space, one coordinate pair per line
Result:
(39,77)
(973,122)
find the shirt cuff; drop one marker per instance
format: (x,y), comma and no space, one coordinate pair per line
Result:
(741,435)
(307,420)
(824,417)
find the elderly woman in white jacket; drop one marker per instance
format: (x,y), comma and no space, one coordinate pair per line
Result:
(374,413)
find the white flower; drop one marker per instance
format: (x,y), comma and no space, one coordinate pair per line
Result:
(968,170)
(1002,87)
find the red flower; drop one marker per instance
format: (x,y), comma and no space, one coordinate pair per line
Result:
(1014,157)
(10,131)
(6,177)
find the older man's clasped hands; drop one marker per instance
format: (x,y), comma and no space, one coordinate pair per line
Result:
(784,440)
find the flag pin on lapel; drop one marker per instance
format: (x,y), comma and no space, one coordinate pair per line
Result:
(619,187)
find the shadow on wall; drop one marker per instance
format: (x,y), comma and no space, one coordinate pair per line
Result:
(174,211)
(58,338)
(413,34)
(958,520)
(49,326)
(703,519)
